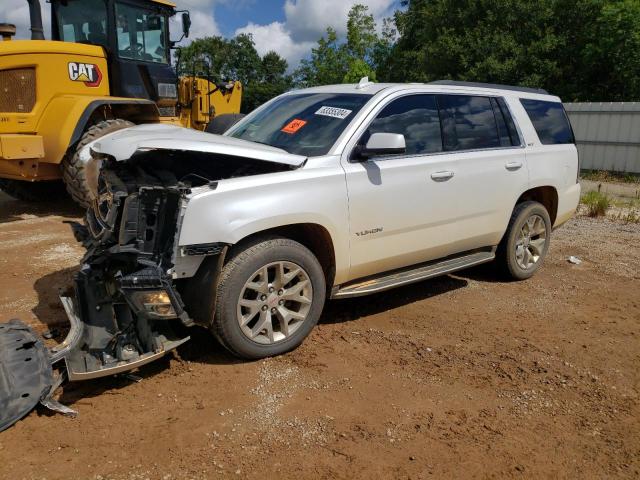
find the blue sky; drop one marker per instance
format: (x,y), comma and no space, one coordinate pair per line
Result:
(289,27)
(232,16)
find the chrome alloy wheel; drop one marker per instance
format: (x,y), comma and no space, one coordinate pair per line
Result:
(531,241)
(274,302)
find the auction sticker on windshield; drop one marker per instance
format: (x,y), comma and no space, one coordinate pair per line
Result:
(334,112)
(294,125)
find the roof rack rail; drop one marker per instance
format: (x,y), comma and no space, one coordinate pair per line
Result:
(456,83)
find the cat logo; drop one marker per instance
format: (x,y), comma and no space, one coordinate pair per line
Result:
(85,72)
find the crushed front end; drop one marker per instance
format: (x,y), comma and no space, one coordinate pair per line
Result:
(127,305)
(125,296)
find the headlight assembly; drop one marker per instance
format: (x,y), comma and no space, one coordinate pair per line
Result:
(155,303)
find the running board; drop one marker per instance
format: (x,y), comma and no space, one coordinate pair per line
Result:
(413,274)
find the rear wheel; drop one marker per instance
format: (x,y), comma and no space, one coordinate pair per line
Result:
(34,192)
(526,242)
(269,298)
(80,178)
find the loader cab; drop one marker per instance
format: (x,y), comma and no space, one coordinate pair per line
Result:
(135,36)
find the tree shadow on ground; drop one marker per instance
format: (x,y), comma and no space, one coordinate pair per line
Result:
(12,210)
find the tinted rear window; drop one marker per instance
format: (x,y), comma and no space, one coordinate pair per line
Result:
(550,121)
(468,122)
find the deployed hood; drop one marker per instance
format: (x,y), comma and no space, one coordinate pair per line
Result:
(121,145)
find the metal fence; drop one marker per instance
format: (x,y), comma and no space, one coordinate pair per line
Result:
(607,134)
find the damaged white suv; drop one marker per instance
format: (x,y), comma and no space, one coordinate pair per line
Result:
(334,191)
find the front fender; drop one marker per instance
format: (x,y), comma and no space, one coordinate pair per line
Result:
(241,207)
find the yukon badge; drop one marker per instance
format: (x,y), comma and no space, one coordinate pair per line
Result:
(88,73)
(369,232)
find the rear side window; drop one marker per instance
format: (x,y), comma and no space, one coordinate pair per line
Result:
(414,116)
(550,121)
(468,122)
(506,126)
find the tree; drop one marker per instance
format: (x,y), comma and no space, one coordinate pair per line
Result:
(578,49)
(329,63)
(614,48)
(237,59)
(336,61)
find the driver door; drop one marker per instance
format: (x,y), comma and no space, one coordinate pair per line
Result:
(402,207)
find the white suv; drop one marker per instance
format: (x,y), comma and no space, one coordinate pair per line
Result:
(334,191)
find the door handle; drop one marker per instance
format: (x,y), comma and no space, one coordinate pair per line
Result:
(441,176)
(513,165)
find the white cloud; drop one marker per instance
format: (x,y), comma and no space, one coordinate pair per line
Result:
(305,22)
(275,37)
(17,12)
(203,22)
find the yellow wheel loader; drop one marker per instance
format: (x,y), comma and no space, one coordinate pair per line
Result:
(106,67)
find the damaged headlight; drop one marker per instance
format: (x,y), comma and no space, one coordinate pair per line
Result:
(155,303)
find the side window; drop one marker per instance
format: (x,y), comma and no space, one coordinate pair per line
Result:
(550,121)
(414,116)
(503,132)
(511,126)
(468,122)
(506,127)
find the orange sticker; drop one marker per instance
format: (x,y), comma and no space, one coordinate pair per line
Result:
(294,125)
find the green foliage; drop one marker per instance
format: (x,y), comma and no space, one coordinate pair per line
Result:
(237,59)
(597,203)
(329,62)
(334,61)
(578,49)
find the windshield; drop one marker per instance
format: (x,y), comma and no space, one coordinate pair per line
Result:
(82,21)
(141,34)
(304,124)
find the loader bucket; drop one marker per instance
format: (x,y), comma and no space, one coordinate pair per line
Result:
(26,376)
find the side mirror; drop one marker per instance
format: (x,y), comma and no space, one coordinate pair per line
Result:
(384,144)
(186,24)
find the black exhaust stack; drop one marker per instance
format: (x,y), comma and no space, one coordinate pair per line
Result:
(35,14)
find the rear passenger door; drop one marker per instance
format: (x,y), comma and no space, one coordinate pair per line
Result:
(480,134)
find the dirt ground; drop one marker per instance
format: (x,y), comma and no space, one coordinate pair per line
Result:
(463,376)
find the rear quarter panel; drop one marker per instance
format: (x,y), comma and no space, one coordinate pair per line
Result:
(550,165)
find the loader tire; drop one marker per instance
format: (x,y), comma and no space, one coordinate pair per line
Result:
(33,192)
(74,172)
(222,123)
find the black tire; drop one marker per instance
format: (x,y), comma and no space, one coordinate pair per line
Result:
(506,254)
(222,123)
(75,173)
(33,192)
(232,280)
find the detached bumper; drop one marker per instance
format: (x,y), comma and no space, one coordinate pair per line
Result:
(26,377)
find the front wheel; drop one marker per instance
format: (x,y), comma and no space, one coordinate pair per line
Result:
(269,297)
(526,242)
